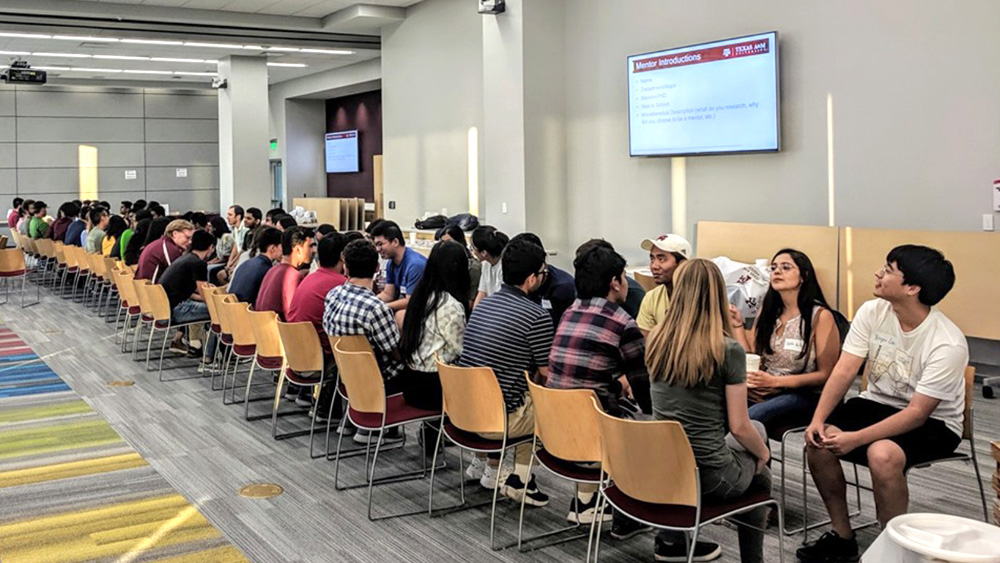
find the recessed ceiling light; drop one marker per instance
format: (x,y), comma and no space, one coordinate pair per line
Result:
(213,45)
(86,38)
(152,42)
(177,60)
(25,35)
(283,49)
(62,55)
(327,51)
(253,47)
(121,57)
(288,65)
(51,68)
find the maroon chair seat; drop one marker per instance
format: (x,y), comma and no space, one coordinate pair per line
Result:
(676,516)
(473,441)
(269,362)
(568,469)
(397,412)
(245,349)
(12,274)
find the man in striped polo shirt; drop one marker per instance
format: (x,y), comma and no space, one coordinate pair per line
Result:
(511,334)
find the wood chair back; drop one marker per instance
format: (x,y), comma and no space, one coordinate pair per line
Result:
(300,342)
(159,303)
(3,241)
(473,400)
(140,295)
(206,291)
(17,239)
(29,245)
(353,343)
(95,263)
(646,281)
(126,287)
(649,461)
(110,265)
(566,423)
(45,247)
(362,378)
(239,320)
(59,251)
(12,261)
(265,333)
(221,298)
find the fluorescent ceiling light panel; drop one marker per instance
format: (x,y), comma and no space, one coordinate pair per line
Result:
(121,57)
(213,45)
(182,73)
(284,49)
(178,60)
(62,55)
(288,65)
(102,70)
(327,51)
(14,53)
(51,68)
(25,35)
(148,71)
(86,38)
(152,42)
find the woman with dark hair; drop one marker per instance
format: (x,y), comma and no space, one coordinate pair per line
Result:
(116,227)
(455,233)
(132,250)
(797,340)
(156,229)
(434,323)
(223,239)
(487,245)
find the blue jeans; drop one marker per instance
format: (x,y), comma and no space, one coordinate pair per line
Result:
(790,409)
(189,311)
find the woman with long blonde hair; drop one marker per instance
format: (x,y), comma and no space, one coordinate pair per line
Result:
(698,374)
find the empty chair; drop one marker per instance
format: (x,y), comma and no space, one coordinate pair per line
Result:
(12,267)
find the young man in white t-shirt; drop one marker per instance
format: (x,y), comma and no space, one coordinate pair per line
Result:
(913,409)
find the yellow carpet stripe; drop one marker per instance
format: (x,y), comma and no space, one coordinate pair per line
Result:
(122,510)
(224,554)
(187,519)
(79,549)
(70,469)
(44,411)
(57,437)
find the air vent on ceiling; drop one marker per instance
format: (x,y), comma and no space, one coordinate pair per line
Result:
(94,45)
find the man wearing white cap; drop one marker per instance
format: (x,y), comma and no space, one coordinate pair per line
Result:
(666,252)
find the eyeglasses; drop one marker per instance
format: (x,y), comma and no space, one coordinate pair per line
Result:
(783,266)
(542,273)
(886,270)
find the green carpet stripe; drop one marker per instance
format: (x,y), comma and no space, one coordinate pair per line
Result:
(44,411)
(58,437)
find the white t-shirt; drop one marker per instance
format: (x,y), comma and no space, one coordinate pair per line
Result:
(929,360)
(491,278)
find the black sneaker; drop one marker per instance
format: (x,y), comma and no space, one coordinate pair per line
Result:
(829,548)
(586,512)
(624,528)
(515,489)
(703,551)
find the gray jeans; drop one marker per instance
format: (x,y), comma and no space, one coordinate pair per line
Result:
(732,481)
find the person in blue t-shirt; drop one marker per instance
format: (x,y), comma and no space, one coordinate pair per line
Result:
(406,266)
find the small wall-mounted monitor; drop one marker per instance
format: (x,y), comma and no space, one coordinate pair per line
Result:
(711,98)
(342,152)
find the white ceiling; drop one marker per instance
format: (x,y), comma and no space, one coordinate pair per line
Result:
(302,8)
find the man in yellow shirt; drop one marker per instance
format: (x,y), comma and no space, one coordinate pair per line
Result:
(666,252)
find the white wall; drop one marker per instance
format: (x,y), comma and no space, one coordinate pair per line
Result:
(432,93)
(914,86)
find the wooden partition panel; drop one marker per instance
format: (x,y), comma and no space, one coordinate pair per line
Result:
(746,242)
(971,303)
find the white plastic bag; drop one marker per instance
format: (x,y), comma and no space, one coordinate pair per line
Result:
(746,284)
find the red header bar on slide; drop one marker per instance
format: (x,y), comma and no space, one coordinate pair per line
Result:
(746,49)
(345,135)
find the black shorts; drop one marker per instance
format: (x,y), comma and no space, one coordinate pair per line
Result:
(931,441)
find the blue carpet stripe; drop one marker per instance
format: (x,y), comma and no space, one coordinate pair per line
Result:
(34,390)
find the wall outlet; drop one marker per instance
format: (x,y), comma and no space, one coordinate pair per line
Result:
(503,207)
(392,205)
(987,221)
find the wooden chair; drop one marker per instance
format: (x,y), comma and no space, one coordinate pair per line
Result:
(637,456)
(111,284)
(161,313)
(270,356)
(303,354)
(647,282)
(129,306)
(244,347)
(47,257)
(13,267)
(370,409)
(95,263)
(566,436)
(83,271)
(145,315)
(71,271)
(473,405)
(207,291)
(352,343)
(224,343)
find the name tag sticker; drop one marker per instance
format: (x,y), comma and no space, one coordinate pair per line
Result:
(794,345)
(402,290)
(546,304)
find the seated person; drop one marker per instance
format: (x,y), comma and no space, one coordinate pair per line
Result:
(354,309)
(512,334)
(248,277)
(67,216)
(635,291)
(597,346)
(110,246)
(95,236)
(455,233)
(698,375)
(37,227)
(181,281)
(666,252)
(434,324)
(487,246)
(405,265)
(914,407)
(796,356)
(280,282)
(74,231)
(558,290)
(160,253)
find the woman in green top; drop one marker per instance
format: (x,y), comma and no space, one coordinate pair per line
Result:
(698,375)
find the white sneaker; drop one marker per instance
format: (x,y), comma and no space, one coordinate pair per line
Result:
(476,468)
(489,478)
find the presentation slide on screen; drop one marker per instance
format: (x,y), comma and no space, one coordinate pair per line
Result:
(342,152)
(711,98)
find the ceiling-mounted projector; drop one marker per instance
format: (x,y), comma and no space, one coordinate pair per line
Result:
(492,7)
(20,72)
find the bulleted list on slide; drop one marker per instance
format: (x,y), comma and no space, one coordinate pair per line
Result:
(716,97)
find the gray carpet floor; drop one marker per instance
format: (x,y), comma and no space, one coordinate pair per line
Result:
(207,452)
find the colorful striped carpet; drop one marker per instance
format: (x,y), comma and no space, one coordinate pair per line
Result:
(72,490)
